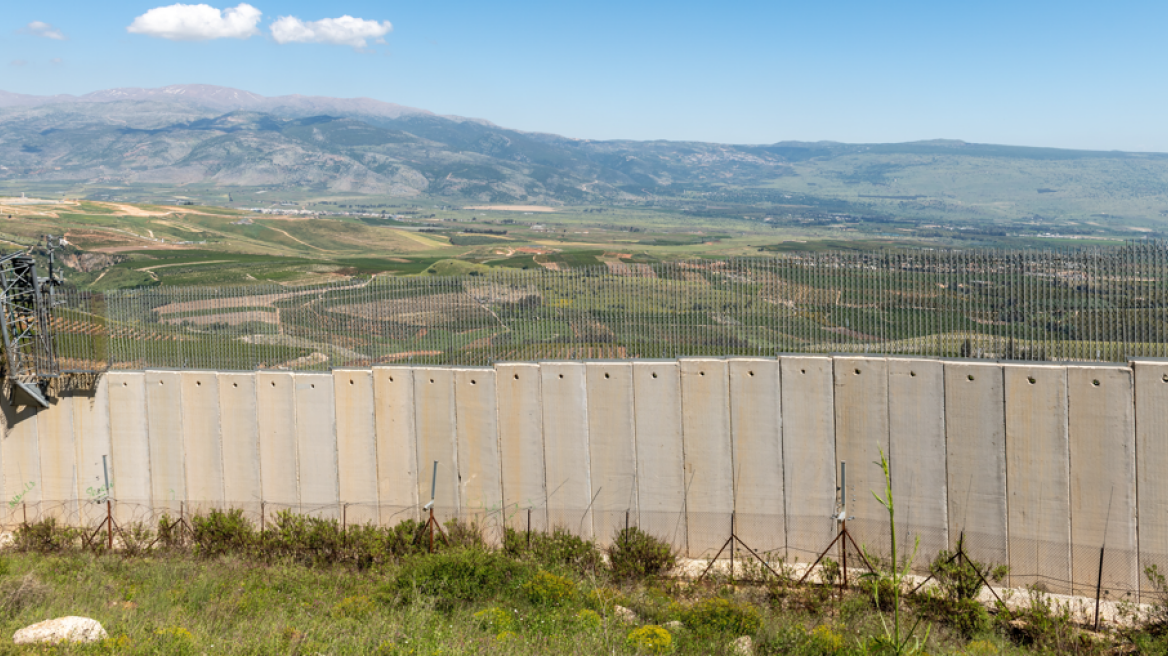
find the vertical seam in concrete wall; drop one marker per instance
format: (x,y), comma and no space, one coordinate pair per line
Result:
(1136,471)
(499,451)
(296,442)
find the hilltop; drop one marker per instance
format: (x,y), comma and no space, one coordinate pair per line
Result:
(221,138)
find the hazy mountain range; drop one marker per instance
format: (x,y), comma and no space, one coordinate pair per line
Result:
(201,134)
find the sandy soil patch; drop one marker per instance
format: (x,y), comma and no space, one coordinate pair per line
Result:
(513,208)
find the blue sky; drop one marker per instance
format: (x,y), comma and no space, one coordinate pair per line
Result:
(1067,74)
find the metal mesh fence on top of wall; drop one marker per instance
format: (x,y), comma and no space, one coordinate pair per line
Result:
(1091,304)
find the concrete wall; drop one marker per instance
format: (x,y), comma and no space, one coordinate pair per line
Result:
(1037,465)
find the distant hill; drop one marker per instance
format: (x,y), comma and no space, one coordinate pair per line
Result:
(187,134)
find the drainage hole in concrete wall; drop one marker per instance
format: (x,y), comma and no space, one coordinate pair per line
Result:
(391,378)
(606,375)
(802,371)
(913,374)
(561,375)
(235,384)
(160,382)
(198,383)
(1095,383)
(1165,377)
(857,372)
(702,373)
(1031,380)
(431,381)
(273,383)
(313,385)
(350,381)
(970,376)
(472,382)
(752,373)
(125,384)
(516,376)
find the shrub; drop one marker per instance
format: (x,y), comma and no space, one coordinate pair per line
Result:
(221,532)
(462,533)
(549,590)
(1041,624)
(462,575)
(493,619)
(308,540)
(721,616)
(1157,622)
(589,619)
(959,578)
(635,554)
(45,536)
(824,640)
(650,639)
(559,548)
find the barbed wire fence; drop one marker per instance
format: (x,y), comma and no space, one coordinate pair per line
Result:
(1087,304)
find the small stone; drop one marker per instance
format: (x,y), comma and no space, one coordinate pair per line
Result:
(624,614)
(674,625)
(743,646)
(61,629)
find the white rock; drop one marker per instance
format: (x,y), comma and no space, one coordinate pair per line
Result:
(624,614)
(743,646)
(61,629)
(674,625)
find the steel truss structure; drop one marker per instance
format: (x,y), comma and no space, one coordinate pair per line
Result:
(26,301)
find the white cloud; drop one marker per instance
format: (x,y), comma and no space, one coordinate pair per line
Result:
(39,28)
(197,22)
(19,62)
(56,60)
(343,31)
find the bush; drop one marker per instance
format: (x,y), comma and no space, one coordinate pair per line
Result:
(307,540)
(45,536)
(221,532)
(558,548)
(493,619)
(635,554)
(546,589)
(462,575)
(1041,624)
(650,639)
(721,616)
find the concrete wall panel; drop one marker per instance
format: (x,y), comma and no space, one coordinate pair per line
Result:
(565,439)
(756,425)
(809,459)
(356,444)
(520,416)
(316,444)
(437,438)
(202,440)
(612,445)
(1037,467)
(861,432)
(240,441)
(709,466)
(397,442)
(916,453)
(1151,396)
(276,419)
(1103,478)
(129,445)
(20,460)
(91,437)
(661,478)
(975,442)
(168,489)
(58,460)
(476,420)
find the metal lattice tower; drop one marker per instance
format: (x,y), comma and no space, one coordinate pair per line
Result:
(25,304)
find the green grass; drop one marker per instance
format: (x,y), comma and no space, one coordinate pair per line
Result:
(306,587)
